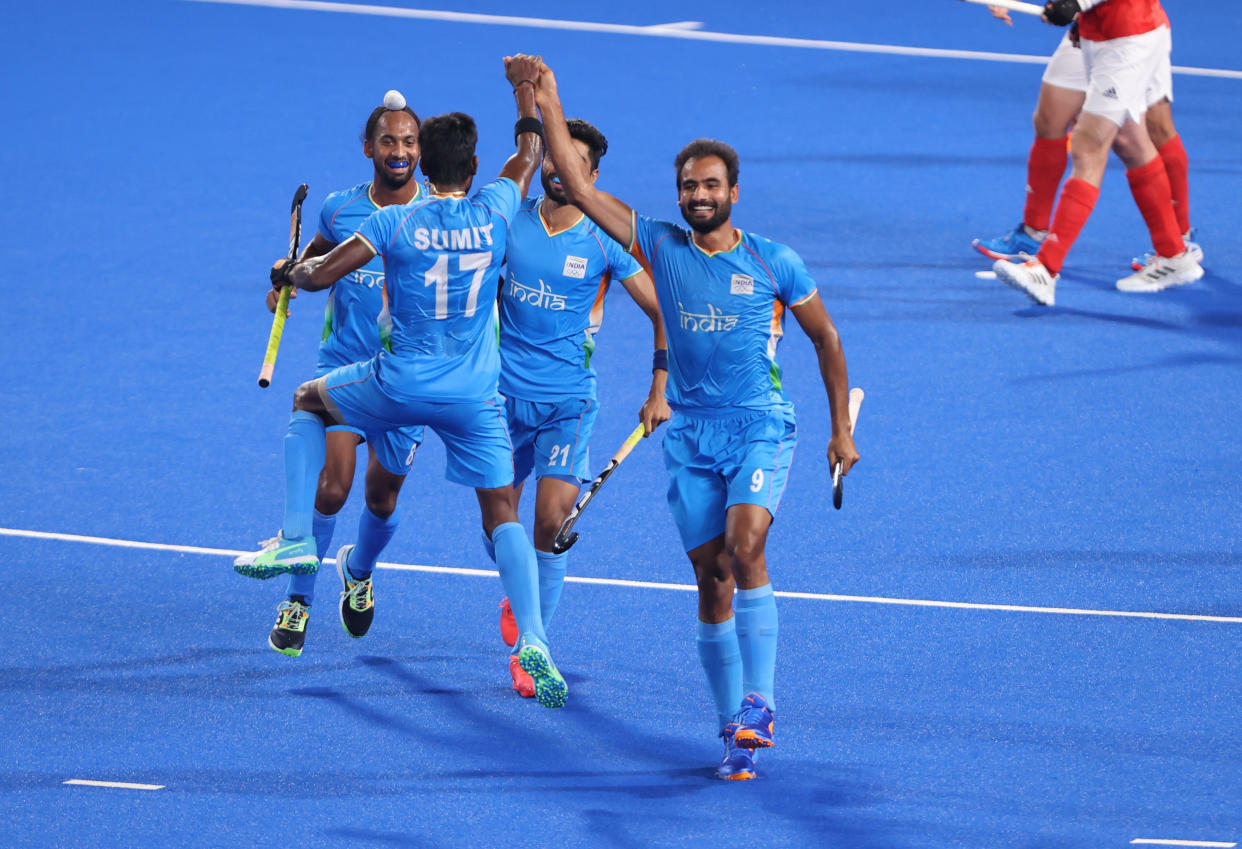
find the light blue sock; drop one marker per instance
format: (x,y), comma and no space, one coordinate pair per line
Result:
(551,582)
(519,574)
(373,534)
(755,611)
(722,661)
(304,455)
(321,528)
(491,549)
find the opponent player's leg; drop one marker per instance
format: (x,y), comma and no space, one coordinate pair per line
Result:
(1166,139)
(355,563)
(293,550)
(288,635)
(1173,264)
(1061,94)
(1055,112)
(1037,278)
(1172,153)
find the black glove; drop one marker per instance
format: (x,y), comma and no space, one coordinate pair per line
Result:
(280,273)
(1061,12)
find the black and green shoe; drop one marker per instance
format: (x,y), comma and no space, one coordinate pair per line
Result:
(357,598)
(289,634)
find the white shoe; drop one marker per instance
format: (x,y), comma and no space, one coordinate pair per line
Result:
(1039,284)
(1162,272)
(1193,247)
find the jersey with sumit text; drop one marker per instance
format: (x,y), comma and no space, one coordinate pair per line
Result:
(723,315)
(552,305)
(442,257)
(355,322)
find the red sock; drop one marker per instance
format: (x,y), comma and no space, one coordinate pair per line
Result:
(1078,198)
(1173,155)
(1150,187)
(1044,168)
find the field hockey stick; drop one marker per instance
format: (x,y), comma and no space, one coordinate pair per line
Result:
(1012,5)
(282,303)
(838,479)
(564,539)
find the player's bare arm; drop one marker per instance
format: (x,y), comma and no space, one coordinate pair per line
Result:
(522,71)
(819,328)
(321,272)
(655,411)
(613,216)
(318,247)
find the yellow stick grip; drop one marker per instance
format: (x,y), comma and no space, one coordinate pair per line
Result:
(273,339)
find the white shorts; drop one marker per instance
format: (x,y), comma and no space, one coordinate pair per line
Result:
(1066,68)
(1126,75)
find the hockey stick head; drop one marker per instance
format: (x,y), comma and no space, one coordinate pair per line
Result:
(563,543)
(298,197)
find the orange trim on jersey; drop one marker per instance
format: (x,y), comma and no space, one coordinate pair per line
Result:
(778,311)
(737,241)
(635,250)
(596,314)
(814,292)
(544,223)
(366,242)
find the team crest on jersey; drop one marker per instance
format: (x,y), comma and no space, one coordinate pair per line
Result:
(741,284)
(575,266)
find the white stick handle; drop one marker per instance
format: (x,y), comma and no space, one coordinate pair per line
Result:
(856,399)
(1012,5)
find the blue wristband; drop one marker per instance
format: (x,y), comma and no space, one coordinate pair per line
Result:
(659,359)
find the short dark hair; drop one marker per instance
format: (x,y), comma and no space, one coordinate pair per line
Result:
(699,148)
(369,130)
(584,132)
(448,143)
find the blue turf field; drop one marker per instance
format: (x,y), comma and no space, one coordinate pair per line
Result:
(1083,457)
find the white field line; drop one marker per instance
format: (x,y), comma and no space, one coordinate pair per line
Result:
(121,785)
(652,585)
(681,30)
(1151,841)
